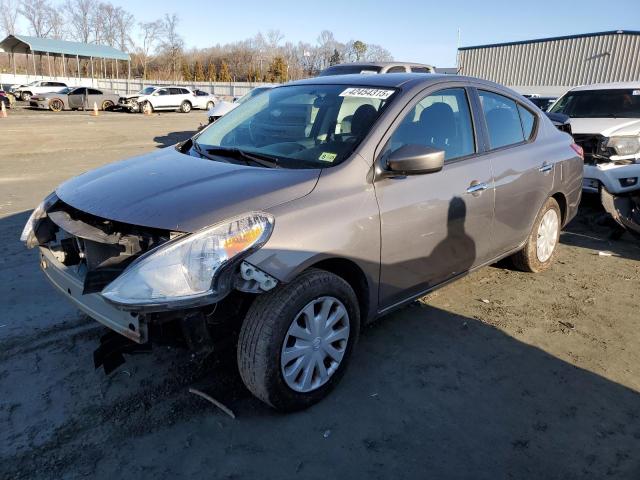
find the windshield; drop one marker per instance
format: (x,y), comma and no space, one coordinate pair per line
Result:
(303,126)
(251,94)
(618,103)
(146,91)
(348,69)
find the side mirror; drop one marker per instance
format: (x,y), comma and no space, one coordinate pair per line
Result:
(415,159)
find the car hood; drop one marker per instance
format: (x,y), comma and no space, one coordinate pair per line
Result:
(222,108)
(606,126)
(174,191)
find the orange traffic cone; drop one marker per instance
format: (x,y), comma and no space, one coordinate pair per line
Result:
(95,109)
(3,112)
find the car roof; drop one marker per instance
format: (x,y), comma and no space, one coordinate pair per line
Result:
(391,80)
(380,64)
(608,86)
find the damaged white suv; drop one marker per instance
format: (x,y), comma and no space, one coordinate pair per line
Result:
(605,121)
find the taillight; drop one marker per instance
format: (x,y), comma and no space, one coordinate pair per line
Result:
(578,149)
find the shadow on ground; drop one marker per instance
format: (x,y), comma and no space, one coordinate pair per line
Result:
(429,394)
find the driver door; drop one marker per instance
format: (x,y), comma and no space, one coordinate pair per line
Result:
(434,226)
(77,98)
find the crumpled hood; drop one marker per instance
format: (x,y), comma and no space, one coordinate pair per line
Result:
(222,108)
(174,191)
(607,127)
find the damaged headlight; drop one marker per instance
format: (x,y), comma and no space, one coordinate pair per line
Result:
(28,235)
(624,145)
(184,269)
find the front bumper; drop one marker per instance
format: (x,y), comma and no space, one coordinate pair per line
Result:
(39,104)
(609,175)
(70,285)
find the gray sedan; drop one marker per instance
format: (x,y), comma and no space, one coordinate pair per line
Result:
(306,212)
(75,98)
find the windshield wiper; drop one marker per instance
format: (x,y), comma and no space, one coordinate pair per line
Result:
(261,159)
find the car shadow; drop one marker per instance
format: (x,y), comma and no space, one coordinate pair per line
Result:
(172,138)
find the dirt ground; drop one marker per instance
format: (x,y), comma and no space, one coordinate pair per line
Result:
(500,375)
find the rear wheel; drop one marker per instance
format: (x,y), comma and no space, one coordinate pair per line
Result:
(56,105)
(185,107)
(296,341)
(210,105)
(540,249)
(107,105)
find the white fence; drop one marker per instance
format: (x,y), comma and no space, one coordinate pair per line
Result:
(123,86)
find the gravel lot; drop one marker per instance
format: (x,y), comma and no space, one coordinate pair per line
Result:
(500,375)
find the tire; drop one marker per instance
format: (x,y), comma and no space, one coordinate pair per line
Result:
(529,259)
(145,106)
(266,328)
(210,105)
(107,105)
(185,107)
(56,105)
(25,96)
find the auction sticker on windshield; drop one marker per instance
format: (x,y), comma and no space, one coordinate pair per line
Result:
(380,93)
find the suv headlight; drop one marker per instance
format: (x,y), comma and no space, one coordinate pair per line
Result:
(28,235)
(184,269)
(624,145)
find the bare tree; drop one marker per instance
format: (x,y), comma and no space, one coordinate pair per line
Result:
(37,14)
(57,23)
(79,15)
(9,16)
(274,37)
(151,32)
(172,42)
(124,24)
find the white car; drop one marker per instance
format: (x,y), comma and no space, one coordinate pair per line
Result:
(204,100)
(605,121)
(163,98)
(223,107)
(26,91)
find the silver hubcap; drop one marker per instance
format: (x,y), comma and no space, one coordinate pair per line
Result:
(547,235)
(315,344)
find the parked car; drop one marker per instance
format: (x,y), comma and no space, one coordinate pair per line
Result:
(223,106)
(542,102)
(26,91)
(75,98)
(160,98)
(308,211)
(377,67)
(204,100)
(7,98)
(605,120)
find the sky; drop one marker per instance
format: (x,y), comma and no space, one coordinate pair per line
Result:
(412,30)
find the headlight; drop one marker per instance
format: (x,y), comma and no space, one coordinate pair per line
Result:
(28,235)
(185,268)
(624,145)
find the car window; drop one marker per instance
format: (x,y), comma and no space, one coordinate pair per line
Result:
(184,91)
(528,121)
(441,120)
(58,84)
(163,91)
(605,103)
(94,92)
(420,70)
(398,69)
(79,91)
(200,93)
(503,120)
(304,126)
(175,91)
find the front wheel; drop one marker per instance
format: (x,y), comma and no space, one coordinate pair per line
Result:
(540,248)
(56,105)
(296,341)
(25,96)
(185,107)
(107,105)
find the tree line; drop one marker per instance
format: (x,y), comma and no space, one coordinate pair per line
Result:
(158,50)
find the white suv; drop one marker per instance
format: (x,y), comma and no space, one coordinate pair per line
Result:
(160,98)
(605,121)
(26,91)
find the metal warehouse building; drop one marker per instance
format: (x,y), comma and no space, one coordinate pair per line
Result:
(549,66)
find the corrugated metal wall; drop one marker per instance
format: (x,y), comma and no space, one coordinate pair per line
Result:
(568,62)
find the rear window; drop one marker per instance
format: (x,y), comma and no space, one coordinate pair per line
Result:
(614,103)
(349,69)
(503,119)
(420,70)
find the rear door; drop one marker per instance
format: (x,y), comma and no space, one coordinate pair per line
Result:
(77,98)
(94,97)
(435,226)
(162,98)
(523,176)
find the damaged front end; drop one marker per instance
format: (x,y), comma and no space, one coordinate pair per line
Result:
(150,284)
(624,209)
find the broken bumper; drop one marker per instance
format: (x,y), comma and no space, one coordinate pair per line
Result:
(611,176)
(64,279)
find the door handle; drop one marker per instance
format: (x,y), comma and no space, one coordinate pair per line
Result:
(477,188)
(546,167)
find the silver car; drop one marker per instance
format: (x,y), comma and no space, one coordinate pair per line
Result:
(308,211)
(75,98)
